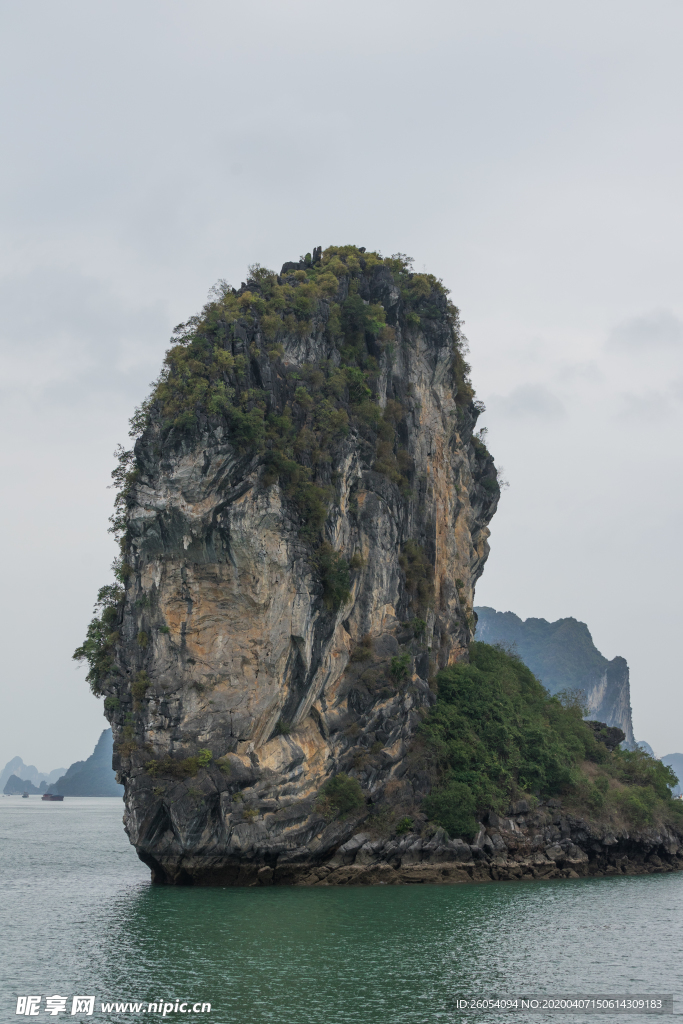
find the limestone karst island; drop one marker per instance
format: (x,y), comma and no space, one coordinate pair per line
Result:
(286,655)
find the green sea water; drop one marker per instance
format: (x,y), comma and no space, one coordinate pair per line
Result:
(79,917)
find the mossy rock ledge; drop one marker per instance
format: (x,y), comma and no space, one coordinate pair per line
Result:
(302,519)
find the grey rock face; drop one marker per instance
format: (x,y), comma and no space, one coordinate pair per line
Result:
(227,645)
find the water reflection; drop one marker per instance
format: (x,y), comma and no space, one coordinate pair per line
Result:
(387,954)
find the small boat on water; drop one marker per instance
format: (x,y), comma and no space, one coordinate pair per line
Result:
(50,796)
(24,796)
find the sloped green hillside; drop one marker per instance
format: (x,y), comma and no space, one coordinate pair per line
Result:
(495,734)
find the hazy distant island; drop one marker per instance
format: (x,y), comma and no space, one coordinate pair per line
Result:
(92,777)
(27,774)
(675,761)
(563,656)
(286,654)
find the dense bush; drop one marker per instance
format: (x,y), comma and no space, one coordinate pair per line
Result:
(203,374)
(640,769)
(419,627)
(400,667)
(335,576)
(342,794)
(404,825)
(453,806)
(179,768)
(419,574)
(98,647)
(139,688)
(494,731)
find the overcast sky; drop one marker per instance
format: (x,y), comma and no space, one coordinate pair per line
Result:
(528,153)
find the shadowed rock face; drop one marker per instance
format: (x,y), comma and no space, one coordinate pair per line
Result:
(227,643)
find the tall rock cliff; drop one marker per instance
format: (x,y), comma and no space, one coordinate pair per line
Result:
(303,519)
(563,656)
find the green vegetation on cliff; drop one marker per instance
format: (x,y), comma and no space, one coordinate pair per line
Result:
(226,367)
(205,378)
(98,647)
(340,795)
(496,734)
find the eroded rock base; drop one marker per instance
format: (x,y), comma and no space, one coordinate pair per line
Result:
(503,851)
(430,874)
(544,843)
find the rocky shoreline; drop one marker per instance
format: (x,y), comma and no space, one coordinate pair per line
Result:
(545,844)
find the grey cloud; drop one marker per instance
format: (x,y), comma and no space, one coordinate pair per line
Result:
(48,300)
(581,373)
(659,328)
(528,400)
(59,325)
(649,406)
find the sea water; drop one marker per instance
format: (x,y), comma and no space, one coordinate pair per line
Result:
(80,917)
